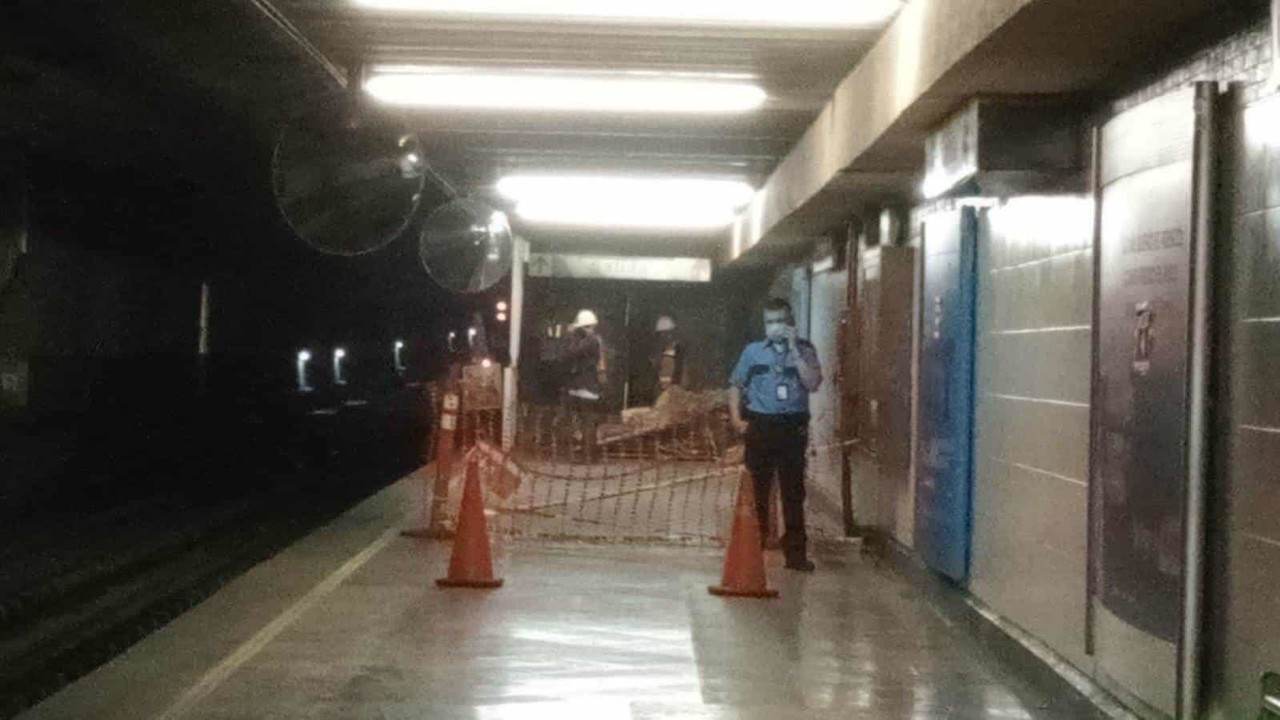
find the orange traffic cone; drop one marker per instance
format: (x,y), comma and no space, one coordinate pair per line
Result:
(472,564)
(744,574)
(441,440)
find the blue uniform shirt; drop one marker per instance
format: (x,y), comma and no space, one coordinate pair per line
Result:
(765,367)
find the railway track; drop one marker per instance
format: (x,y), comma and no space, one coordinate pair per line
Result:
(73,597)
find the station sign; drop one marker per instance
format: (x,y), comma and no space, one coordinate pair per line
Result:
(619,267)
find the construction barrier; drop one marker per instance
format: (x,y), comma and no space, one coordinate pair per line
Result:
(671,482)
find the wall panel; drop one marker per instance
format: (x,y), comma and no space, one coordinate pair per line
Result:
(1246,546)
(827,300)
(944,448)
(1032,417)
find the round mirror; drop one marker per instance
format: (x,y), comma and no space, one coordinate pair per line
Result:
(347,181)
(13,217)
(466,246)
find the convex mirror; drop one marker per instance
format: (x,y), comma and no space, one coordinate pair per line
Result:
(465,246)
(347,180)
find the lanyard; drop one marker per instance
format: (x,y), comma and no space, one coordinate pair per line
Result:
(779,358)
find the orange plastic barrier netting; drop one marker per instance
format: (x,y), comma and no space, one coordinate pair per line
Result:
(673,481)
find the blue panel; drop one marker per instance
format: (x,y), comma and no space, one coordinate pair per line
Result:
(944,458)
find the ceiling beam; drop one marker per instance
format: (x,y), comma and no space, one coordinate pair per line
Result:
(932,58)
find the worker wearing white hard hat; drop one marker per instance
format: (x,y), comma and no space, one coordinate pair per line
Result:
(668,355)
(585,319)
(585,353)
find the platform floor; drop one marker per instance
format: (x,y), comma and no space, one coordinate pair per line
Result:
(348,624)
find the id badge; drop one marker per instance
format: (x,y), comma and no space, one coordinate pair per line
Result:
(784,393)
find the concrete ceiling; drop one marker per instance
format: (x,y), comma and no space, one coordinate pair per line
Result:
(131,81)
(797,68)
(843,128)
(867,146)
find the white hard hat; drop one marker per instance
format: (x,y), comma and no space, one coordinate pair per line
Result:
(586,318)
(664,324)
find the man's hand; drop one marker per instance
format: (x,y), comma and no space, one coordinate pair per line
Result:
(810,372)
(789,334)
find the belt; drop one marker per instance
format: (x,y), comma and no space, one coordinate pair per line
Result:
(778,418)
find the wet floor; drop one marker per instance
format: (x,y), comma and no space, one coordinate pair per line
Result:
(596,632)
(607,632)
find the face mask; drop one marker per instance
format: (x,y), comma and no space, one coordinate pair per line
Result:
(775,330)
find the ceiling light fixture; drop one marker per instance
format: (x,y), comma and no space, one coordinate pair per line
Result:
(762,13)
(625,202)
(447,88)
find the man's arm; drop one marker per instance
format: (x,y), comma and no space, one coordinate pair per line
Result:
(735,409)
(807,365)
(580,345)
(736,380)
(670,367)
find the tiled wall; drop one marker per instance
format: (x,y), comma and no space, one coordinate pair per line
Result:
(1033,379)
(881,454)
(1243,58)
(1247,616)
(1031,451)
(827,302)
(1244,549)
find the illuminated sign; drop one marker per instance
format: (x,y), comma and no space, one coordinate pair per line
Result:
(615,267)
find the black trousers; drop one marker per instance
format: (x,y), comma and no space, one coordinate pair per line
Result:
(776,447)
(585,417)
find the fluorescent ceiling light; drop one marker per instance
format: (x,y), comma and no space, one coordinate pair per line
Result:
(766,13)
(626,203)
(631,93)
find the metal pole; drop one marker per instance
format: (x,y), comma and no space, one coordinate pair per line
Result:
(511,375)
(905,524)
(1198,398)
(281,21)
(1093,494)
(1275,44)
(202,342)
(449,188)
(626,324)
(850,353)
(202,345)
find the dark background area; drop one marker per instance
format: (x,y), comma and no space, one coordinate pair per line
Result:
(705,315)
(135,474)
(146,149)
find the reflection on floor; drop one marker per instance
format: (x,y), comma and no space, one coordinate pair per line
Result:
(580,632)
(596,633)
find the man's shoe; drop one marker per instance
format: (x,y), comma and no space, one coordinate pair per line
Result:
(801,565)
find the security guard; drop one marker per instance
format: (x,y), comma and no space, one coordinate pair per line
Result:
(769,403)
